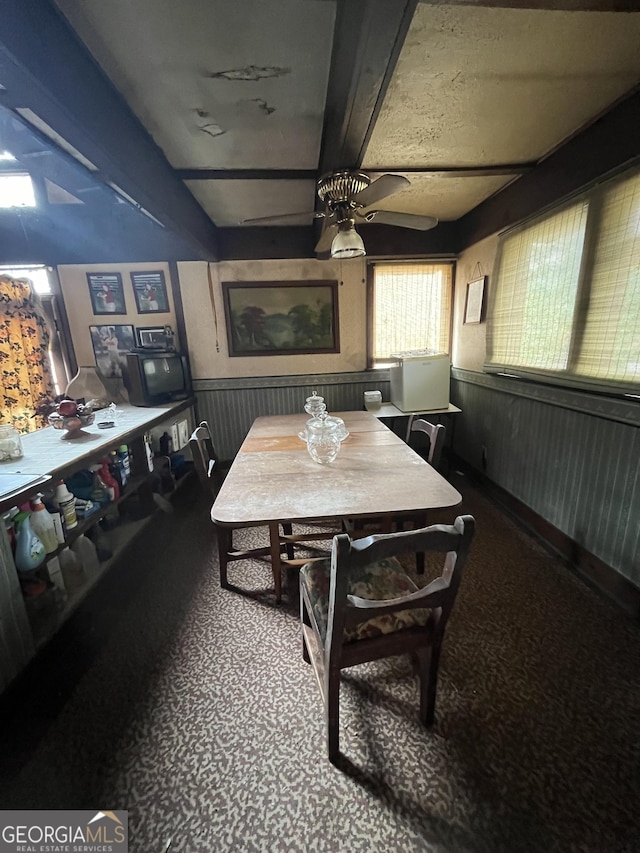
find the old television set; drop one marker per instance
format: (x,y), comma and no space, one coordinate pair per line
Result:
(157,376)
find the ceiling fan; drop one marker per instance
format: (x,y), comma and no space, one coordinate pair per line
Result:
(345,195)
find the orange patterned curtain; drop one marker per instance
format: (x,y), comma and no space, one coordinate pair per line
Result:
(24,355)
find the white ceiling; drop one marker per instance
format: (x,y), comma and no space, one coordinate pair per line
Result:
(243,85)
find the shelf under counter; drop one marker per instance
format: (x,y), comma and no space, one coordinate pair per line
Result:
(48,455)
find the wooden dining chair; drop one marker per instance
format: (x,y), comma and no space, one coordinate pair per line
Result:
(211,476)
(361,605)
(436,434)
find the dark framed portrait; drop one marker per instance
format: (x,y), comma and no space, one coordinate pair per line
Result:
(107,293)
(150,292)
(281,317)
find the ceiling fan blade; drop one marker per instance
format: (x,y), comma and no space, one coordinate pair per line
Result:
(383,187)
(277,217)
(402,220)
(323,246)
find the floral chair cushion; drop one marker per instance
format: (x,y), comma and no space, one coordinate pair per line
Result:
(376,582)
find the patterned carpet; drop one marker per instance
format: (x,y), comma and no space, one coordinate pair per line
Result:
(191,707)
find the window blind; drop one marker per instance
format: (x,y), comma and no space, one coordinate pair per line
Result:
(411,308)
(566,303)
(532,316)
(610,347)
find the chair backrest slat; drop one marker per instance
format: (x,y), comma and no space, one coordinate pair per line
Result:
(436,434)
(203,453)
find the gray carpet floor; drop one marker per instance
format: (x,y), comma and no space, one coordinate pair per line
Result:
(191,707)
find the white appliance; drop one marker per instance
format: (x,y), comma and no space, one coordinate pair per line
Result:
(420,381)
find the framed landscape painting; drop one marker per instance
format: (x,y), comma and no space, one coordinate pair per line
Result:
(281,317)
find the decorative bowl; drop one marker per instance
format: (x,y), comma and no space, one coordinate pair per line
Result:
(73,424)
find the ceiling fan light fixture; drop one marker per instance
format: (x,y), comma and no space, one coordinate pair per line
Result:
(347,244)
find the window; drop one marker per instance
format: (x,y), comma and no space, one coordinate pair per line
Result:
(37,275)
(16,190)
(409,309)
(40,277)
(566,306)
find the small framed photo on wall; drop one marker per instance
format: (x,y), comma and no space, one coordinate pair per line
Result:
(155,337)
(475,300)
(107,293)
(110,347)
(150,291)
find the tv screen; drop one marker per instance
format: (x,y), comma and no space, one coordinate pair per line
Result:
(163,375)
(158,377)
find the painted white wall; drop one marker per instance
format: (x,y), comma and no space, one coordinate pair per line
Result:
(205,323)
(75,293)
(469,340)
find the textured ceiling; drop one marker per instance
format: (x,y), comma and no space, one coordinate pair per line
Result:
(254,85)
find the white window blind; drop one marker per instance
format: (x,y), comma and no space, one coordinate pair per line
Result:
(610,347)
(411,308)
(566,305)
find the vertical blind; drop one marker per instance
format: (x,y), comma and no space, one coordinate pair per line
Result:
(411,308)
(567,299)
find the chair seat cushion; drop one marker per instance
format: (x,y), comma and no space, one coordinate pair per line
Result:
(375,582)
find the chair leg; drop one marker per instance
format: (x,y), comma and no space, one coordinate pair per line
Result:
(332,713)
(429,661)
(287,529)
(305,620)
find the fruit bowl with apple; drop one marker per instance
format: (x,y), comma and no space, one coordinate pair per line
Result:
(72,417)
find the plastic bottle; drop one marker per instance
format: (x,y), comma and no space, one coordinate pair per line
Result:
(109,480)
(166,444)
(42,525)
(30,551)
(115,467)
(123,454)
(100,492)
(85,550)
(66,502)
(72,571)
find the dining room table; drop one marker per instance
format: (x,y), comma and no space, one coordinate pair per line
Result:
(273,480)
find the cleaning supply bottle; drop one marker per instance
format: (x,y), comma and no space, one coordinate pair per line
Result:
(109,480)
(85,551)
(100,492)
(116,468)
(123,454)
(72,571)
(66,503)
(42,525)
(30,552)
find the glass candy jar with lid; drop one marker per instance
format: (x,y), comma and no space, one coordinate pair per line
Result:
(323,440)
(315,405)
(10,443)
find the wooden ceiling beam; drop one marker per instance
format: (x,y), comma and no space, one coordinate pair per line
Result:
(45,67)
(368,37)
(309,174)
(545,5)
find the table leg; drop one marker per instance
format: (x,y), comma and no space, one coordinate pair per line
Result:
(276,562)
(223,535)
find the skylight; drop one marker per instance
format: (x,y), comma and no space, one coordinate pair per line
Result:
(16,190)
